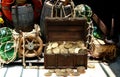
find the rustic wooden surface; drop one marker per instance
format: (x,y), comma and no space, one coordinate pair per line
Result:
(100,70)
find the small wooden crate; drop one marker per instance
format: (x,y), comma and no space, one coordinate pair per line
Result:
(65,29)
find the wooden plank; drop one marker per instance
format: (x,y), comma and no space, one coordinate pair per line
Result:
(30,73)
(14,71)
(94,72)
(100,70)
(108,70)
(34,62)
(42,72)
(3,71)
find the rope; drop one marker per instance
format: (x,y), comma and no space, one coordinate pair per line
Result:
(23,49)
(61,8)
(85,11)
(89,41)
(52,11)
(10,59)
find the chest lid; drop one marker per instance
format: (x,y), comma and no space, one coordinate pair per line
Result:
(65,29)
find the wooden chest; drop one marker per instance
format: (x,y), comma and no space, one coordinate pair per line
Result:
(61,30)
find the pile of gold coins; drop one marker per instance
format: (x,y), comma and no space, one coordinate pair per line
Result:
(65,47)
(66,72)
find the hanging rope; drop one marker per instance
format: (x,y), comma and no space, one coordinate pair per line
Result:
(85,11)
(58,8)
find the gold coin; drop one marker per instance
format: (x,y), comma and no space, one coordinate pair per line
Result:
(56,50)
(54,44)
(82,51)
(51,71)
(80,44)
(69,70)
(49,51)
(48,74)
(63,70)
(68,45)
(49,46)
(81,69)
(90,65)
(71,50)
(61,46)
(77,50)
(63,51)
(61,74)
(57,70)
(75,73)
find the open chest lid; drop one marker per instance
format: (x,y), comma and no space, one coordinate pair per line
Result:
(65,29)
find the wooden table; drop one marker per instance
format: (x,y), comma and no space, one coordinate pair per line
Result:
(100,70)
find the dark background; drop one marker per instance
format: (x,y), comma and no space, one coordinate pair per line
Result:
(106,10)
(101,8)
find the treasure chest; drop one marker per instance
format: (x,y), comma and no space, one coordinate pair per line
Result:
(65,46)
